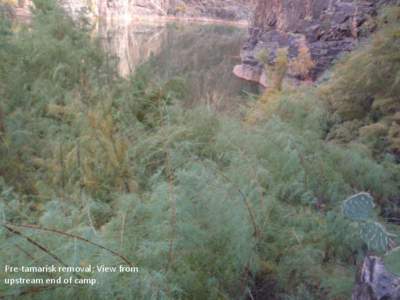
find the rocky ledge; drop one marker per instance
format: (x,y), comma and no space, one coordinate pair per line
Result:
(326,28)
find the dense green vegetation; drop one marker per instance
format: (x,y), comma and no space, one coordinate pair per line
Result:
(364,92)
(206,205)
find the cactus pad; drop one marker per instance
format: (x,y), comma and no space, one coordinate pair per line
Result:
(375,236)
(392,261)
(358,207)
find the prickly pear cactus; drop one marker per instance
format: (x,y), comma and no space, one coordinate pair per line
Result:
(358,207)
(375,236)
(392,261)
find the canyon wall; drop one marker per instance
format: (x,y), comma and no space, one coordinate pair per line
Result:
(325,28)
(128,10)
(215,9)
(233,10)
(19,10)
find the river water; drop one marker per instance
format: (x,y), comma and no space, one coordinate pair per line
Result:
(203,55)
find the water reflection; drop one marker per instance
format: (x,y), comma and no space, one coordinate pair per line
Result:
(132,43)
(203,55)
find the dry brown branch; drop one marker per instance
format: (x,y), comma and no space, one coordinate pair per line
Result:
(70,235)
(33,242)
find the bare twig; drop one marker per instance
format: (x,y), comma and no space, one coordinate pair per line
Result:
(122,231)
(35,243)
(247,204)
(70,235)
(24,251)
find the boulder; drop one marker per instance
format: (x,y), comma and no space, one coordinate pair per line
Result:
(374,282)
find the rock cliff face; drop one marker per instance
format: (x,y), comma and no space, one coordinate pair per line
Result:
(233,10)
(20,10)
(325,27)
(130,8)
(216,9)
